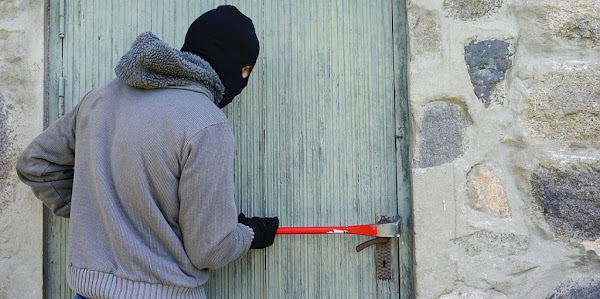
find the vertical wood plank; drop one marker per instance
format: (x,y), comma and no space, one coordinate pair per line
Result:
(55,240)
(54,61)
(55,229)
(405,242)
(246,277)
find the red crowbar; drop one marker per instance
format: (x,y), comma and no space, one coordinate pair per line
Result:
(386,228)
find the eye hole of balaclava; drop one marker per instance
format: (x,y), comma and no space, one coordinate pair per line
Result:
(225,38)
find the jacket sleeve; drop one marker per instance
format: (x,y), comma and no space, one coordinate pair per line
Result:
(212,236)
(46,164)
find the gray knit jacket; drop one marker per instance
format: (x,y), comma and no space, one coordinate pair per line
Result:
(143,167)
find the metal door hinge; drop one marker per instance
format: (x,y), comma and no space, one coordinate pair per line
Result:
(61,19)
(61,96)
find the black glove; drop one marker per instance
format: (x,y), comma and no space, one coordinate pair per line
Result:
(264,230)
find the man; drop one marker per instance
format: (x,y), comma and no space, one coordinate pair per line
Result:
(143,167)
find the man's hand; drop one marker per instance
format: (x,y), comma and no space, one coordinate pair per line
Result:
(264,230)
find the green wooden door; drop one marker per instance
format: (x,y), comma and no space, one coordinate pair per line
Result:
(321,132)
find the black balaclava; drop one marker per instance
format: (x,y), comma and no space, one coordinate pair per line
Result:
(226,39)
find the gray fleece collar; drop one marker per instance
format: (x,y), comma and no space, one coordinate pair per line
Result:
(152,63)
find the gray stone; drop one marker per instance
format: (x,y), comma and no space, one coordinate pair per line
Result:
(470,9)
(570,198)
(585,290)
(563,104)
(487,63)
(442,134)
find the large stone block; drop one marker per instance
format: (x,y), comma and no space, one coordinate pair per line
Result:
(14,75)
(487,63)
(21,117)
(424,30)
(7,157)
(490,242)
(434,225)
(14,66)
(570,198)
(561,27)
(490,260)
(471,293)
(485,192)
(576,22)
(442,133)
(470,9)
(564,104)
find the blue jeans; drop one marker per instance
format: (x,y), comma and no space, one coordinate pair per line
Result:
(77,296)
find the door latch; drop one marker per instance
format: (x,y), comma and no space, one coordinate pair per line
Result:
(383,250)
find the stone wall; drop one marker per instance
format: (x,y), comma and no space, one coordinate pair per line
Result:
(21,119)
(505,106)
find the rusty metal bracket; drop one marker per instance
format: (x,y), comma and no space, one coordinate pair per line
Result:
(383,256)
(384,260)
(383,252)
